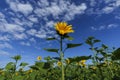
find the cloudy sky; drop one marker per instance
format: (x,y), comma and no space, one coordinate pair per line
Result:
(24,25)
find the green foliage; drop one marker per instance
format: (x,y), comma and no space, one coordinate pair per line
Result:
(51,38)
(79,58)
(107,67)
(91,41)
(116,54)
(9,66)
(51,50)
(71,45)
(16,58)
(23,64)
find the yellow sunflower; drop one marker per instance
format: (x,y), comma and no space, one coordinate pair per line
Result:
(39,58)
(82,63)
(59,63)
(63,28)
(67,61)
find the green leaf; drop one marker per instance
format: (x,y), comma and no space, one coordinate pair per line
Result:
(51,50)
(9,66)
(51,38)
(23,64)
(48,58)
(116,54)
(46,65)
(69,37)
(103,53)
(79,58)
(104,46)
(34,67)
(17,57)
(70,45)
(95,41)
(89,42)
(39,64)
(91,38)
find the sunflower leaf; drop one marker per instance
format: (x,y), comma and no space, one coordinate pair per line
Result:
(51,50)
(70,45)
(51,38)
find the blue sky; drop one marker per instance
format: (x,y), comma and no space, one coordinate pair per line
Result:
(24,25)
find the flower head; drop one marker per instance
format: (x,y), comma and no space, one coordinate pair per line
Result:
(63,28)
(67,61)
(29,71)
(82,63)
(16,74)
(59,63)
(39,58)
(93,67)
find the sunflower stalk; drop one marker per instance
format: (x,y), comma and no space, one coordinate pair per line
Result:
(62,56)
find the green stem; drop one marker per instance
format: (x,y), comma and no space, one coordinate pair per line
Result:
(94,57)
(109,66)
(62,57)
(15,66)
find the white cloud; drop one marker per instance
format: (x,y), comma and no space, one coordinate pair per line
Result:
(104,27)
(50,24)
(112,26)
(11,28)
(2,16)
(108,9)
(101,27)
(93,3)
(20,36)
(44,3)
(61,8)
(4,38)
(5,45)
(46,13)
(75,10)
(32,32)
(117,3)
(42,11)
(93,28)
(3,53)
(33,19)
(117,17)
(32,40)
(25,8)
(19,7)
(25,43)
(112,5)
(41,34)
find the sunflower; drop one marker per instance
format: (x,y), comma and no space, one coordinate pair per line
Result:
(67,61)
(39,58)
(59,63)
(63,28)
(16,74)
(82,63)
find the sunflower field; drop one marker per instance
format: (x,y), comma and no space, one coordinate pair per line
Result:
(104,63)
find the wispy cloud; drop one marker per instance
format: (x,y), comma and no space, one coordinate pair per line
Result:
(20,7)
(25,43)
(36,19)
(24,16)
(4,53)
(5,45)
(104,27)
